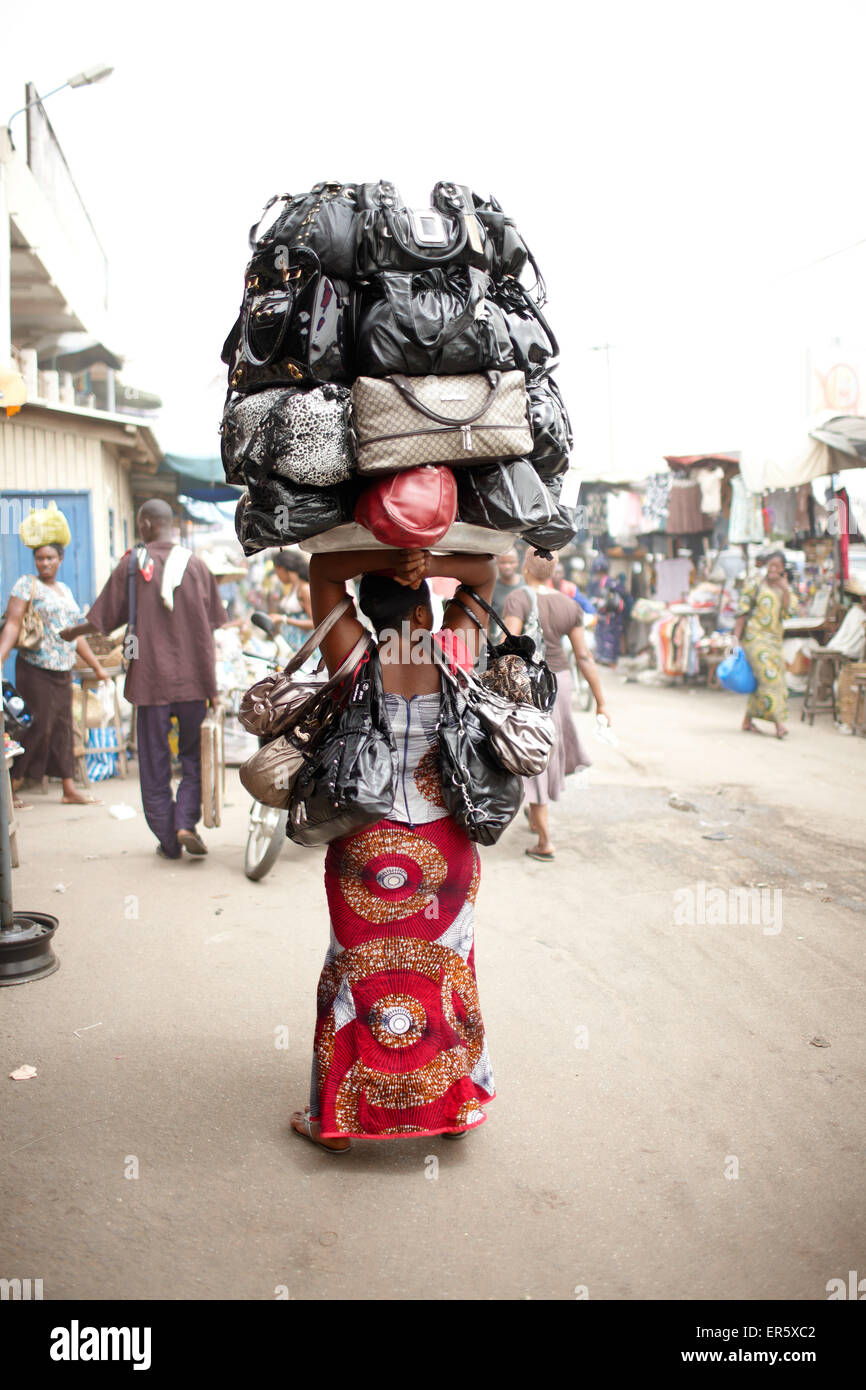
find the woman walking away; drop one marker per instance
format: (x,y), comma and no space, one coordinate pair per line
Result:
(399,1044)
(558,616)
(43,674)
(763,604)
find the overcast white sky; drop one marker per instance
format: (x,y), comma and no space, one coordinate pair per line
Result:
(672,165)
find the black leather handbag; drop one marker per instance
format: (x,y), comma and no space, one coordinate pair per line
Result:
(296,324)
(323,220)
(275,512)
(434,322)
(536,350)
(349,781)
(477,791)
(507,495)
(393,237)
(551,428)
(554,534)
(507,252)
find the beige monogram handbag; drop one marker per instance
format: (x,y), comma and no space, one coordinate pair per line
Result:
(402,422)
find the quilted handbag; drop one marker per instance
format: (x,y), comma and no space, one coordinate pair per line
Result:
(302,435)
(401,423)
(323,220)
(433,321)
(394,237)
(296,324)
(410,509)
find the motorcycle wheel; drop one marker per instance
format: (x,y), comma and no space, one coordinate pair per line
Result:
(266,837)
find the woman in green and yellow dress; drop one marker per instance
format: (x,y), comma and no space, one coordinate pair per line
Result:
(763,604)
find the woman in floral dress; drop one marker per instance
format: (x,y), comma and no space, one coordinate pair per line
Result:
(762,607)
(43,675)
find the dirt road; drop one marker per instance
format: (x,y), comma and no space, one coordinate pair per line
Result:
(680,1068)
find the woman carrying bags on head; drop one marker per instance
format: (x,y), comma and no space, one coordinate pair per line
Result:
(43,674)
(763,605)
(399,1044)
(558,616)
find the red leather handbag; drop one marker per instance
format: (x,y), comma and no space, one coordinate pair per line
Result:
(411,509)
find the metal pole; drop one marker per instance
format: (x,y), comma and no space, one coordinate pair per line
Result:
(6,914)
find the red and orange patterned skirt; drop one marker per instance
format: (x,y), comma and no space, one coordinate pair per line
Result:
(399,1044)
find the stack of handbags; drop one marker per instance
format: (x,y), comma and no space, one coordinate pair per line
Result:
(389,372)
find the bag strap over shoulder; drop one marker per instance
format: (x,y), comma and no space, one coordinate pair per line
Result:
(317,635)
(488,608)
(404,386)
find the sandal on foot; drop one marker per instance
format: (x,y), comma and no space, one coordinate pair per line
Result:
(307,1132)
(544,855)
(456,1134)
(191,841)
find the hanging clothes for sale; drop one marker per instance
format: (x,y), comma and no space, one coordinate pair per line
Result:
(624,516)
(675,644)
(746,522)
(844,528)
(685,517)
(672,579)
(803,520)
(710,482)
(656,503)
(596,520)
(780,508)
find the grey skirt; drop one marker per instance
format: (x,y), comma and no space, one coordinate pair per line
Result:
(569,754)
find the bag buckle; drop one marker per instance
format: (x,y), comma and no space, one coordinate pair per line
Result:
(428,227)
(466,435)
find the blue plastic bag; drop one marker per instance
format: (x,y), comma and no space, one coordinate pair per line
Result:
(103,764)
(736,674)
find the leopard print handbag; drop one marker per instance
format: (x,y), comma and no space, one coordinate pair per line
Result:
(302,435)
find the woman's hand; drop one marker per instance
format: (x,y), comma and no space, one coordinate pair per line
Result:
(411,567)
(101,673)
(601,711)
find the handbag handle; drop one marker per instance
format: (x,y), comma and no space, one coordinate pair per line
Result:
(314,268)
(535,310)
(404,386)
(398,291)
(488,608)
(317,635)
(426,255)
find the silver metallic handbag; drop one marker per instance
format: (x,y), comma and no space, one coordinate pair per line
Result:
(402,422)
(521,735)
(302,435)
(281,701)
(295,709)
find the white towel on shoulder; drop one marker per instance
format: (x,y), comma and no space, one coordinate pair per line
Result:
(173,573)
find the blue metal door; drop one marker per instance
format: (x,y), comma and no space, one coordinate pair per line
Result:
(76,569)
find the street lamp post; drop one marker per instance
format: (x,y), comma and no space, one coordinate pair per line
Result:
(98,73)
